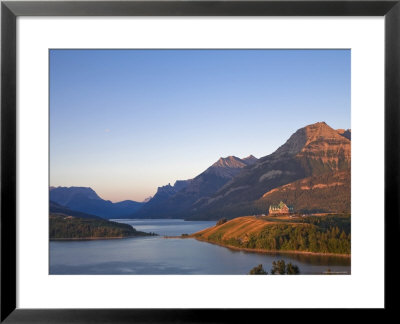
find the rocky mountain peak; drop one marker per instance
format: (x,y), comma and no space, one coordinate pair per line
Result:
(230,162)
(68,192)
(170,190)
(67,195)
(325,145)
(166,188)
(314,134)
(320,131)
(251,159)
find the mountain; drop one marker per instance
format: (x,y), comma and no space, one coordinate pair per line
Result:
(251,159)
(346,133)
(147,199)
(230,166)
(311,151)
(55,208)
(156,206)
(311,170)
(176,201)
(86,200)
(66,195)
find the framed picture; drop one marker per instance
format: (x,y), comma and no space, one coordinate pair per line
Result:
(156,155)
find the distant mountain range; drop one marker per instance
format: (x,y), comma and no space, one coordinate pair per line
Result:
(311,171)
(55,208)
(86,200)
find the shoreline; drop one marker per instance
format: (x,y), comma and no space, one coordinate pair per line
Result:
(176,237)
(96,238)
(341,255)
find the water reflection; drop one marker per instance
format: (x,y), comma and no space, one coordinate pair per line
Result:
(156,255)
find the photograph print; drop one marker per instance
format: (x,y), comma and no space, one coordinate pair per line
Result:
(200,161)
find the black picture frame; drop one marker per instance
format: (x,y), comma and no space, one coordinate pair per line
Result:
(10,10)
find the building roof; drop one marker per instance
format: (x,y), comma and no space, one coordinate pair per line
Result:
(280,206)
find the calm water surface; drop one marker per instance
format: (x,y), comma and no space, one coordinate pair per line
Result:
(156,255)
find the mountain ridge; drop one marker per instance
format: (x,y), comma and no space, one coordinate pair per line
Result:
(312,150)
(174,201)
(233,186)
(86,200)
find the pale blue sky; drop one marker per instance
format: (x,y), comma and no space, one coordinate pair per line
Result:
(127,121)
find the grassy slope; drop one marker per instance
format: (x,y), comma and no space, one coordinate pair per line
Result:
(322,234)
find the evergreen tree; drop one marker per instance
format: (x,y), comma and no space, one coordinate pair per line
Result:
(258,270)
(278,267)
(221,221)
(292,269)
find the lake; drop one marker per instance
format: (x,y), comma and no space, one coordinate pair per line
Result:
(157,255)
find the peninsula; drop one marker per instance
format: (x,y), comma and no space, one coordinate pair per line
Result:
(309,234)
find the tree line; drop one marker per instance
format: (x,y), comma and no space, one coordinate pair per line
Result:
(278,267)
(315,234)
(64,227)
